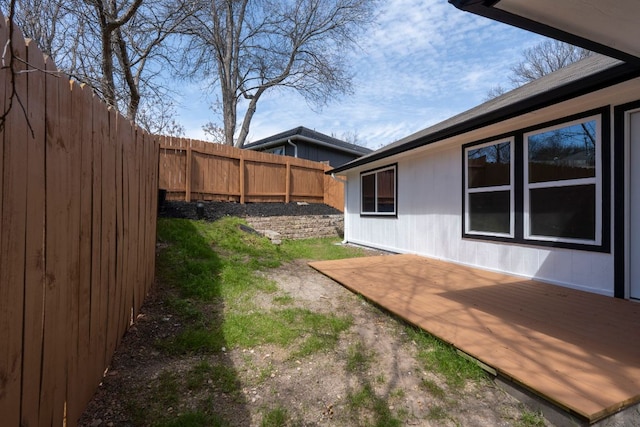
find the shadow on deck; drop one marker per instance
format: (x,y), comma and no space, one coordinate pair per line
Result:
(577,350)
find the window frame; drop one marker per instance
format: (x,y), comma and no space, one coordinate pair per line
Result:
(279,150)
(596,180)
(489,189)
(603,225)
(375,172)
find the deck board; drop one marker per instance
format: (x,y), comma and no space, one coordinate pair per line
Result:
(576,349)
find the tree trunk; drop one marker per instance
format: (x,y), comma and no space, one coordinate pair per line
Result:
(251,110)
(229,111)
(134,91)
(108,83)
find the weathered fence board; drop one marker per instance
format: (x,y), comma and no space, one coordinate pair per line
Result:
(85,383)
(12,246)
(78,203)
(34,252)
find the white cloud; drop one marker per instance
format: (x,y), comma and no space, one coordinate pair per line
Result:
(423,62)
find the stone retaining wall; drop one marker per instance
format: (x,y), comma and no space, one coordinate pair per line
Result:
(298,227)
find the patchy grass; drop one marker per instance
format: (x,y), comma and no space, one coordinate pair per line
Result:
(438,413)
(359,358)
(530,419)
(438,356)
(218,262)
(434,389)
(220,377)
(276,417)
(193,419)
(160,410)
(213,272)
(319,249)
(312,331)
(374,410)
(283,300)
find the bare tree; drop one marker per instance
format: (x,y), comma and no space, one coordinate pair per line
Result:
(133,36)
(250,46)
(110,18)
(40,20)
(117,47)
(215,132)
(495,92)
(540,60)
(545,58)
(159,119)
(351,137)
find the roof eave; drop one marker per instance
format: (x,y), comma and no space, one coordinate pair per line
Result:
(306,139)
(486,8)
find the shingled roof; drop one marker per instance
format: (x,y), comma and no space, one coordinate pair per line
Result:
(302,133)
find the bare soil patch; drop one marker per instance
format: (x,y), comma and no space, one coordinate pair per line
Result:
(315,390)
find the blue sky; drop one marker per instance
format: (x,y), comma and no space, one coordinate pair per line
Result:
(422,62)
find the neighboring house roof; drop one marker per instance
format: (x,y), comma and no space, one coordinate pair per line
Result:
(302,133)
(610,28)
(592,73)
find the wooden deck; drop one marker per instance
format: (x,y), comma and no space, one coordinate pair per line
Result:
(579,350)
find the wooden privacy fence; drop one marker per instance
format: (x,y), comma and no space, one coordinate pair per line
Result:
(78,202)
(197,170)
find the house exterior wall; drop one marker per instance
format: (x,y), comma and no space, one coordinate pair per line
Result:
(315,153)
(429,223)
(319,153)
(430,208)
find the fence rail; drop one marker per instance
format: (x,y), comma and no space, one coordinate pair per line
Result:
(197,170)
(78,202)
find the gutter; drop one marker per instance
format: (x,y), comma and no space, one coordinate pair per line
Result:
(295,148)
(333,175)
(346,192)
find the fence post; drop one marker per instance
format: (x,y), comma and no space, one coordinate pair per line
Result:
(187,181)
(242,178)
(287,197)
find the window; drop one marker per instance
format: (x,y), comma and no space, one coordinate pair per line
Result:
(378,190)
(562,179)
(545,185)
(489,189)
(276,150)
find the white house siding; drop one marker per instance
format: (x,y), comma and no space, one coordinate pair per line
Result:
(430,208)
(429,224)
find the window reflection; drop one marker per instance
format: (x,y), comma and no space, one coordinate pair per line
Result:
(564,212)
(489,189)
(561,154)
(378,191)
(386,191)
(490,212)
(489,166)
(369,193)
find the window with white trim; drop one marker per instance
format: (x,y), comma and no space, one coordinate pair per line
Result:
(563,182)
(378,190)
(489,199)
(546,185)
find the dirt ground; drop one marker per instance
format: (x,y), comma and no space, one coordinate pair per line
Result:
(313,389)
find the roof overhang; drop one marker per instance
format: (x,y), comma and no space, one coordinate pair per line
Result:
(293,138)
(611,28)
